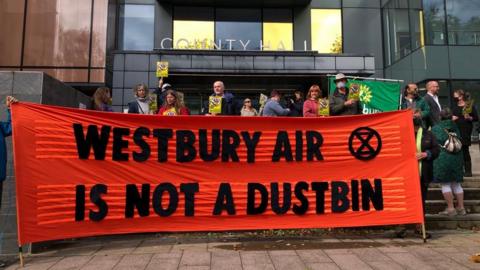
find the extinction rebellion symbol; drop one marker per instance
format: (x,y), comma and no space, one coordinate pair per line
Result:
(368,149)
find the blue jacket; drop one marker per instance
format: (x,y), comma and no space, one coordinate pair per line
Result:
(5,131)
(273,108)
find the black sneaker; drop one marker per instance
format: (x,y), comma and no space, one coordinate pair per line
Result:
(467,174)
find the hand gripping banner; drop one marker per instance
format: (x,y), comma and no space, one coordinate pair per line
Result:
(83,173)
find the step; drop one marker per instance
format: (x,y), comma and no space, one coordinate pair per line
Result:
(435,193)
(435,206)
(440,222)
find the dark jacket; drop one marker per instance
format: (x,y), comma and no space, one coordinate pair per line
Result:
(417,103)
(434,116)
(296,108)
(5,131)
(134,107)
(465,126)
(229,105)
(431,147)
(337,106)
(448,167)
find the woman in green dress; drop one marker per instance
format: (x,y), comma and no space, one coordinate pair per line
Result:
(448,167)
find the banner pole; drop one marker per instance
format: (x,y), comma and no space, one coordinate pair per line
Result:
(424,233)
(20,256)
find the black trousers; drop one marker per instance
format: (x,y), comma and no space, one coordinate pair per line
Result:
(467,160)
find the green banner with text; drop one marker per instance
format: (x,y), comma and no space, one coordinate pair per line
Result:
(374,96)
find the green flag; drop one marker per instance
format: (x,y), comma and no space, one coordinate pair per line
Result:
(374,96)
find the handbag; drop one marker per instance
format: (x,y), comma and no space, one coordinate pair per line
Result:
(453,144)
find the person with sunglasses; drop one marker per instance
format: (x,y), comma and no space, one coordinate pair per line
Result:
(248,109)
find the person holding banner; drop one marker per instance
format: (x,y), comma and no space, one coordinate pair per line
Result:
(448,168)
(220,102)
(273,107)
(142,102)
(5,131)
(427,151)
(172,105)
(102,100)
(411,100)
(464,114)
(311,105)
(340,102)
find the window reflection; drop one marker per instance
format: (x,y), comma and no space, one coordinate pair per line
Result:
(238,29)
(326,30)
(434,11)
(137,27)
(463,22)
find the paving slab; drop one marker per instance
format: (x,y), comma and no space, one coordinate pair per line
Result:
(446,250)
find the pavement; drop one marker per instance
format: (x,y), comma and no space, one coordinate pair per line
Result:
(353,249)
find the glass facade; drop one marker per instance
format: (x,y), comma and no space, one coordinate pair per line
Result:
(193,28)
(232,29)
(463,22)
(403,29)
(434,12)
(238,29)
(326,30)
(193,34)
(277,29)
(137,27)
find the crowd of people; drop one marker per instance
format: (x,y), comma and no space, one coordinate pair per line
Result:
(435,123)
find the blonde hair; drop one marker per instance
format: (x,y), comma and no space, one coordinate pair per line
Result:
(314,87)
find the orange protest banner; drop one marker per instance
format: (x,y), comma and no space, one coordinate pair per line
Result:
(83,173)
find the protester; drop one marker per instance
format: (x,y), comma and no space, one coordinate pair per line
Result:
(448,167)
(142,102)
(340,103)
(162,91)
(273,107)
(411,100)
(427,151)
(310,106)
(5,131)
(102,100)
(464,114)
(172,105)
(431,98)
(220,102)
(296,104)
(248,109)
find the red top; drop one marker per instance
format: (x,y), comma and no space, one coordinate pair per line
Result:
(167,111)
(310,108)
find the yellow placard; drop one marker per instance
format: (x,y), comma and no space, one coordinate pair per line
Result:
(215,105)
(323,107)
(162,69)
(468,109)
(354,92)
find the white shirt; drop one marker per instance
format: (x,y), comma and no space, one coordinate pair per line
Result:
(435,97)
